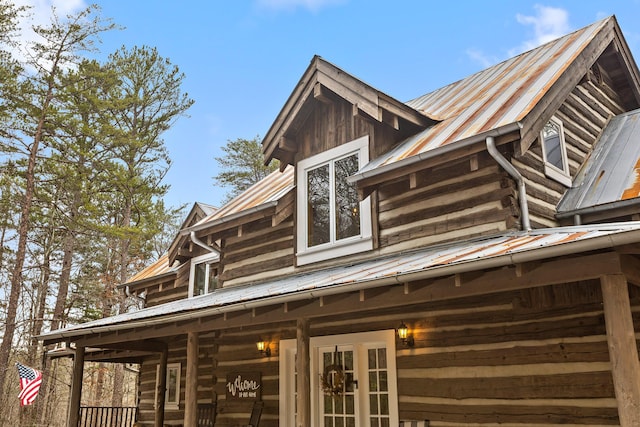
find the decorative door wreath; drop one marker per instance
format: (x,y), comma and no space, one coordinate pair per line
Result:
(333,380)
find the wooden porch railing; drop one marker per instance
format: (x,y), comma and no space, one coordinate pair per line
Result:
(104,416)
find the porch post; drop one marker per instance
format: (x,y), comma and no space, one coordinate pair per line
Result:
(162,388)
(623,352)
(191,382)
(304,374)
(76,387)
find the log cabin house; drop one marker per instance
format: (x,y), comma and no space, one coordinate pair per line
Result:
(467,258)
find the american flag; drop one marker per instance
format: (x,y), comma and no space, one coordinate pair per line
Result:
(30,381)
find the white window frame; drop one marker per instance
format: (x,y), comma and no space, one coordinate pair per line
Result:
(363,341)
(207,259)
(360,243)
(562,175)
(173,405)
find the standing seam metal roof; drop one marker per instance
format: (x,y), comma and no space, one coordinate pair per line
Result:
(611,174)
(490,99)
(438,260)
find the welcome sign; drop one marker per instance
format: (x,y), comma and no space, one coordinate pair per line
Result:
(244,386)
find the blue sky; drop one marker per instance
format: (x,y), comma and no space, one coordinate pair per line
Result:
(243,58)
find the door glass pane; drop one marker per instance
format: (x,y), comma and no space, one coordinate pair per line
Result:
(318,206)
(339,408)
(378,387)
(347,206)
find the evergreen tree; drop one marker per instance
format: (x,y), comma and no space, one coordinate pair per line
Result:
(62,42)
(242,166)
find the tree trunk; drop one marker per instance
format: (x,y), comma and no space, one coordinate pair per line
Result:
(23,231)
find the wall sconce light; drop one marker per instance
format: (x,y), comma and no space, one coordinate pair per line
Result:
(263,347)
(403,334)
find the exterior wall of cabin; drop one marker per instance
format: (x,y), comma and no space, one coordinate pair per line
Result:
(584,114)
(257,251)
(166,290)
(536,356)
(460,199)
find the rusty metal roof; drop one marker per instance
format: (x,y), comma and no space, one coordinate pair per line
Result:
(268,190)
(437,261)
(611,174)
(159,268)
(491,99)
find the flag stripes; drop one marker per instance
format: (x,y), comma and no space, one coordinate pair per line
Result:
(30,381)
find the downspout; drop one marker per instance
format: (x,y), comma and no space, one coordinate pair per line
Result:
(511,170)
(202,244)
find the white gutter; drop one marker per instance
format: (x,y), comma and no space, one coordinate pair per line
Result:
(194,239)
(568,248)
(511,170)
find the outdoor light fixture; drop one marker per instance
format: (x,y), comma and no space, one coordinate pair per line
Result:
(403,334)
(263,347)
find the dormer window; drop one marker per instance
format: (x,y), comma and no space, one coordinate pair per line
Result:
(554,153)
(332,222)
(204,275)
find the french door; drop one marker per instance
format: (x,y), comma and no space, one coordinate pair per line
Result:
(353,381)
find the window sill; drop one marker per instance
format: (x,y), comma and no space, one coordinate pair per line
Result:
(557,175)
(336,250)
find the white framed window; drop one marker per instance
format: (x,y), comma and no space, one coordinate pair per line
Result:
(172,392)
(370,395)
(203,277)
(332,222)
(554,152)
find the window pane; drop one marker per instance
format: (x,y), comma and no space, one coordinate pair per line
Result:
(350,404)
(373,381)
(199,279)
(372,359)
(172,385)
(384,404)
(382,358)
(552,145)
(319,206)
(348,360)
(347,205)
(373,404)
(383,381)
(213,278)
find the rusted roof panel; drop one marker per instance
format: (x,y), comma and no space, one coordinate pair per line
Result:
(269,189)
(499,96)
(158,268)
(437,261)
(611,174)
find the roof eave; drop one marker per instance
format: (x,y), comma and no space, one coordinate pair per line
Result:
(537,254)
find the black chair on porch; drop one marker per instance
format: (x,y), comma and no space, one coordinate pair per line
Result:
(206,416)
(256,412)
